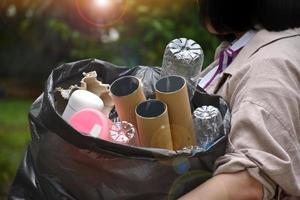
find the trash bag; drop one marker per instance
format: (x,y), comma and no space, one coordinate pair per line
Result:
(61,163)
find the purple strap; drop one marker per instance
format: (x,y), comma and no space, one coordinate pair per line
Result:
(226,57)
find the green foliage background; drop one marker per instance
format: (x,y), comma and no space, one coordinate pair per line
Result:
(14,136)
(43,34)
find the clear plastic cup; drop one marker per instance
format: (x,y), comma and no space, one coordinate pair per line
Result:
(207,121)
(183,57)
(123,132)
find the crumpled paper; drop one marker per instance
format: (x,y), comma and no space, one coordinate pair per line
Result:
(90,83)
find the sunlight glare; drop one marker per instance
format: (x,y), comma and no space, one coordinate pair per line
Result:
(102,3)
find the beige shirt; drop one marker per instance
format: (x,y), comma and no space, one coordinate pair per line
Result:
(262,86)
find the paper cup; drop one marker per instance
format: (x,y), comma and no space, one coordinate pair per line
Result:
(153,124)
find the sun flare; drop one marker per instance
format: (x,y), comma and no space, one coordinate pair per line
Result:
(102,3)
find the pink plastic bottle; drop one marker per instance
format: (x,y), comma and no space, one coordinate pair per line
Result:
(91,122)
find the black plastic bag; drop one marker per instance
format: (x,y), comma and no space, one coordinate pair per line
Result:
(61,163)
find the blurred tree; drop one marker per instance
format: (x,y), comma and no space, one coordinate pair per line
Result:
(37,35)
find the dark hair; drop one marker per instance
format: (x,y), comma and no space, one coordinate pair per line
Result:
(242,15)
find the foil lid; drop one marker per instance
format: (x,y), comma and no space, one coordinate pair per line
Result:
(207,122)
(183,57)
(207,113)
(123,133)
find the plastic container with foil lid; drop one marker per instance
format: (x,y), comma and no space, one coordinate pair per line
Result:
(183,57)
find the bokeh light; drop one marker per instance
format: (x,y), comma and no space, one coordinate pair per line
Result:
(181,165)
(102,3)
(101,13)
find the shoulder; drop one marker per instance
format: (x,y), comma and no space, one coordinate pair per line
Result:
(282,48)
(273,69)
(272,80)
(275,52)
(269,80)
(268,68)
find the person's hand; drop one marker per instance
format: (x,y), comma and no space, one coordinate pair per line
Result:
(236,186)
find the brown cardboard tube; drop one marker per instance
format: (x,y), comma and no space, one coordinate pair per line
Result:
(173,91)
(127,93)
(153,124)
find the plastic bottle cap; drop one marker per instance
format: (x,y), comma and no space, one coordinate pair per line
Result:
(81,99)
(84,99)
(91,122)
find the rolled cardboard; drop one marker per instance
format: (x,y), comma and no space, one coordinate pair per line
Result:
(127,93)
(173,91)
(153,124)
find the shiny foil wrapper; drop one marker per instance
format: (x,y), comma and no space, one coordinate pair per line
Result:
(182,57)
(207,121)
(123,132)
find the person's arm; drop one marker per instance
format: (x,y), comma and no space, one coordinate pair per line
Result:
(239,186)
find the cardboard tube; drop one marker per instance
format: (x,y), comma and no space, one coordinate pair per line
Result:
(153,124)
(173,91)
(127,93)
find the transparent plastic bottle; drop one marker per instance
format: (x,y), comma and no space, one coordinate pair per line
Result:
(207,121)
(183,57)
(123,132)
